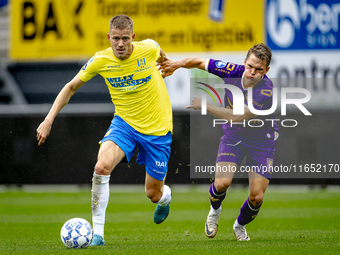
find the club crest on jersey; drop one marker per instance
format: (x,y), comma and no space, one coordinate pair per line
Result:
(220,64)
(141,63)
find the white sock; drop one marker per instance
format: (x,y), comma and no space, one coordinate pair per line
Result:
(166,197)
(216,211)
(100,199)
(236,224)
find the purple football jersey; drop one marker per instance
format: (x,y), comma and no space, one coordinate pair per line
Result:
(260,128)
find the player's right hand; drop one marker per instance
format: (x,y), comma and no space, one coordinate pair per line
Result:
(196,104)
(43,131)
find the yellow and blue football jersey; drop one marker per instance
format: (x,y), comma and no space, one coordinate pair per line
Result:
(136,87)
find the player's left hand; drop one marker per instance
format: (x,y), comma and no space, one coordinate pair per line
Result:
(196,104)
(167,67)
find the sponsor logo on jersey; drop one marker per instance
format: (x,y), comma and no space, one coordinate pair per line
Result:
(230,67)
(220,64)
(127,81)
(267,92)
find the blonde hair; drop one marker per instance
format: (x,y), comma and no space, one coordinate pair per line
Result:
(121,22)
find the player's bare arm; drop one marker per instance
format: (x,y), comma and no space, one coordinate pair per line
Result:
(221,113)
(62,99)
(169,66)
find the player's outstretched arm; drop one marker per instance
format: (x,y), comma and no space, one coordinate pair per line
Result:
(220,112)
(62,99)
(169,66)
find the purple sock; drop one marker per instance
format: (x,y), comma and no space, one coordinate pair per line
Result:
(248,213)
(216,197)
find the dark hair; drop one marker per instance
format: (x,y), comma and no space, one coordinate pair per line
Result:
(121,22)
(261,51)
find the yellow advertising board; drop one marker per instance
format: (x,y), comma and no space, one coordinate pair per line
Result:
(45,30)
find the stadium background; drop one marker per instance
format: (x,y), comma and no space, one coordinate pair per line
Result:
(44,43)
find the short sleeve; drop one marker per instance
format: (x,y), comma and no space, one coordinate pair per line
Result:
(88,71)
(154,48)
(224,69)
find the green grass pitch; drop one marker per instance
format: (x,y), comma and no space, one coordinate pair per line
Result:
(290,222)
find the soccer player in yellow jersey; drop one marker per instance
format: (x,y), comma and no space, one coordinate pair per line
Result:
(143,117)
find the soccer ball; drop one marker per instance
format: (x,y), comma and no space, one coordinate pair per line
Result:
(76,233)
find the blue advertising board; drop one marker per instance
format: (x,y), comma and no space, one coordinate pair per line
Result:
(302,24)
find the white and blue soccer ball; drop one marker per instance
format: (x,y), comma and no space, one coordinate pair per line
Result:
(76,233)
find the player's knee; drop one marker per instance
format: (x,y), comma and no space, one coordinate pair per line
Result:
(101,169)
(222,185)
(153,195)
(256,198)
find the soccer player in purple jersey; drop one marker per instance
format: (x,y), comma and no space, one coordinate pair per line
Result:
(239,141)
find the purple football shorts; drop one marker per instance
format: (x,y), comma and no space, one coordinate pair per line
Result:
(259,156)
